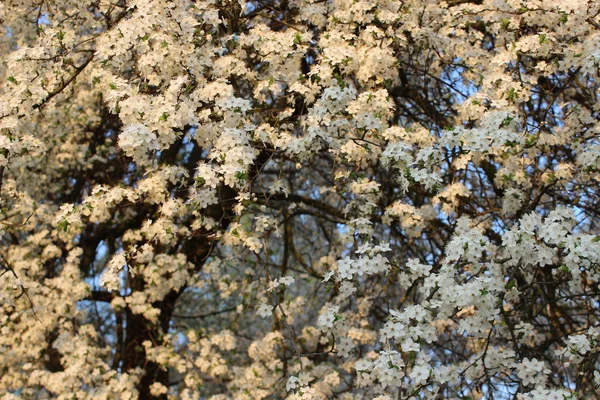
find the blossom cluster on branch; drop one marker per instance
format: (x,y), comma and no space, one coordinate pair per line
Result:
(299,199)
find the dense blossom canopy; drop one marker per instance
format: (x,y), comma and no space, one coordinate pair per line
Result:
(299,199)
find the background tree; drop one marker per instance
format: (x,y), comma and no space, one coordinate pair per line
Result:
(299,199)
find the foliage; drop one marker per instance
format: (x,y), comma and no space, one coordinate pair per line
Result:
(301,199)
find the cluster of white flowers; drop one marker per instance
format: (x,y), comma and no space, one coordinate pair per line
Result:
(137,141)
(299,199)
(111,279)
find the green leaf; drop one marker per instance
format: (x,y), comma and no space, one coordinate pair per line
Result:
(530,141)
(242,176)
(543,38)
(340,81)
(393,366)
(507,121)
(511,94)
(563,18)
(63,225)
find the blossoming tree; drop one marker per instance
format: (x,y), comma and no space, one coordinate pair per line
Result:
(300,199)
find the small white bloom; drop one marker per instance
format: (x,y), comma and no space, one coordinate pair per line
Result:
(110,279)
(264,310)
